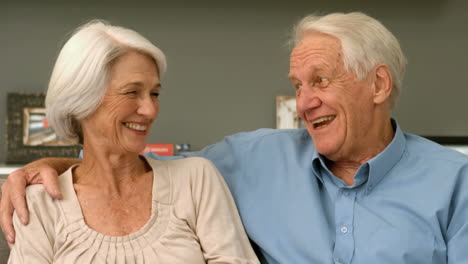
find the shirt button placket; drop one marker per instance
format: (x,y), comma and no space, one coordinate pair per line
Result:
(344,229)
(338,261)
(344,215)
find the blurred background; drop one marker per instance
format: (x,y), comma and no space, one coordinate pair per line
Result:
(228,60)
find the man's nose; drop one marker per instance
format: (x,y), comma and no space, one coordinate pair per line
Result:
(307,98)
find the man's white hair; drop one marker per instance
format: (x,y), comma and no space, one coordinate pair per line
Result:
(365,42)
(80,76)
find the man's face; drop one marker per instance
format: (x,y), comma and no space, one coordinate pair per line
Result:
(336,107)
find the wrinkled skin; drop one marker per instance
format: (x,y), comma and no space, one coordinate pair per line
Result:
(357,111)
(45,171)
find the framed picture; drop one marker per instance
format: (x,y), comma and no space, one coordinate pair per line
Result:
(286,115)
(29,136)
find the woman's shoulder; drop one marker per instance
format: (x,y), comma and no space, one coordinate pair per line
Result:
(192,164)
(45,211)
(46,229)
(37,193)
(182,163)
(183,174)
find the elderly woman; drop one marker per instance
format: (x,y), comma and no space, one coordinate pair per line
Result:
(117,206)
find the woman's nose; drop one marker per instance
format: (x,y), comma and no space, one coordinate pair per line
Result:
(148,107)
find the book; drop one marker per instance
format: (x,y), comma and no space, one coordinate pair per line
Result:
(160,149)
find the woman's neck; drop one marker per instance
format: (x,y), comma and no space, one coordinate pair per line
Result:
(110,170)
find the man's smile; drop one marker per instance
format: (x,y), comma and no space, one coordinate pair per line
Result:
(322,121)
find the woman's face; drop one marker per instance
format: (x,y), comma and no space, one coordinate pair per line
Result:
(122,122)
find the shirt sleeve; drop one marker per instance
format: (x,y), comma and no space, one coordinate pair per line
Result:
(34,242)
(218,224)
(457,232)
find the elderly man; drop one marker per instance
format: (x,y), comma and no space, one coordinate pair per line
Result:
(352,187)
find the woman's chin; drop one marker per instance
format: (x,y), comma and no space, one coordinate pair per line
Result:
(135,149)
(140,150)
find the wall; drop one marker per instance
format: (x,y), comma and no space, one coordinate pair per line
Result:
(228,62)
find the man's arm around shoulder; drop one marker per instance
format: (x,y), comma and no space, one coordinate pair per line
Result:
(43,171)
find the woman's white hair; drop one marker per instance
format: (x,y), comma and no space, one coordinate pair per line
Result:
(80,75)
(365,42)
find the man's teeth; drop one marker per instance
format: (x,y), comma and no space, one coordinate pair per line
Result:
(136,126)
(323,119)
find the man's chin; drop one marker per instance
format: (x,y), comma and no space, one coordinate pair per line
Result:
(327,150)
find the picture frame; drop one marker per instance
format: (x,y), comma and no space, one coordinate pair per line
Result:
(26,138)
(286,115)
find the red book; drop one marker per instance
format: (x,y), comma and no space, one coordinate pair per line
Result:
(160,149)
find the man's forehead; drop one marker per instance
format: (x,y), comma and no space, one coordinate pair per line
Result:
(316,48)
(317,40)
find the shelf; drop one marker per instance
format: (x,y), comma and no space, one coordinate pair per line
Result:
(461,148)
(7,169)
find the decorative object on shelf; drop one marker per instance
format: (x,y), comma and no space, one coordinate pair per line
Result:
(286,115)
(37,131)
(29,136)
(160,149)
(166,149)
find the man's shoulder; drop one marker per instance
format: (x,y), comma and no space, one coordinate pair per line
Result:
(431,151)
(269,134)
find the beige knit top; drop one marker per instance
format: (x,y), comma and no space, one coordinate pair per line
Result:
(193,220)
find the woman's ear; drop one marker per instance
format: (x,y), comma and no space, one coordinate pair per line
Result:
(383,84)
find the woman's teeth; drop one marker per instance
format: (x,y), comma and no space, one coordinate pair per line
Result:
(136,126)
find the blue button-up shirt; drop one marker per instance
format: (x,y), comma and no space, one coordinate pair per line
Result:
(409,204)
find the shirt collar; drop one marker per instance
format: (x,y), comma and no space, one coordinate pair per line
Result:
(377,167)
(381,164)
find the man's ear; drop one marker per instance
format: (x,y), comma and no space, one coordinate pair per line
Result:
(383,84)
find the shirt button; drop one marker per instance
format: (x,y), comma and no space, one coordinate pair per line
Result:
(345,193)
(344,229)
(338,261)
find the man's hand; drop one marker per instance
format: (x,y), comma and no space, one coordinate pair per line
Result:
(44,171)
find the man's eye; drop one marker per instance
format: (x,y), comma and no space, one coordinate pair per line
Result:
(298,89)
(322,82)
(155,94)
(130,92)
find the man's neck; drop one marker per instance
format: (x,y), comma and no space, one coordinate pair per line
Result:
(345,168)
